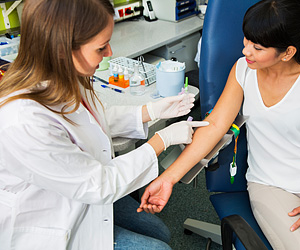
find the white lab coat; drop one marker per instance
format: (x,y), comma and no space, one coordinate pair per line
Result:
(58,180)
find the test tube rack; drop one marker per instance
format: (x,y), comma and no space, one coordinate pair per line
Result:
(124,62)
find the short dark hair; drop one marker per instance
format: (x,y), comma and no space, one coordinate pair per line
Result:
(274,23)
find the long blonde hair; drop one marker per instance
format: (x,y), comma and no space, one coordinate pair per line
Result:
(50,31)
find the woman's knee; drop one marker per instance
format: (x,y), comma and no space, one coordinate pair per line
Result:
(270,206)
(126,239)
(126,217)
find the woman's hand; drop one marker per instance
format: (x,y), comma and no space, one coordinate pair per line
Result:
(297,223)
(156,196)
(170,107)
(180,132)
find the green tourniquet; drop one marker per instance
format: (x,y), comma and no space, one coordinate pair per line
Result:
(235,131)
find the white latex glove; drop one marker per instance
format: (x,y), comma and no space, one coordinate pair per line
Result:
(179,132)
(170,107)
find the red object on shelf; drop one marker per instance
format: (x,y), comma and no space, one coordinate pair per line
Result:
(121,12)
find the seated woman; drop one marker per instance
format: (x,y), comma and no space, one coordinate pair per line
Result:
(266,80)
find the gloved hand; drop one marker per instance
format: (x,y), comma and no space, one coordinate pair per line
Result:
(179,132)
(170,107)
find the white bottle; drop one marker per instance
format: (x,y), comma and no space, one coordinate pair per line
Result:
(126,78)
(121,74)
(115,73)
(137,82)
(126,75)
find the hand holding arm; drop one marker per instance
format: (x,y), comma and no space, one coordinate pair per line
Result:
(159,191)
(179,133)
(176,133)
(297,223)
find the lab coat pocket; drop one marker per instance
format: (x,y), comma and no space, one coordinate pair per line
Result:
(36,238)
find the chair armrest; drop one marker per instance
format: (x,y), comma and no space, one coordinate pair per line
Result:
(246,234)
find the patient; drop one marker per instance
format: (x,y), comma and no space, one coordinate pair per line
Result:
(266,80)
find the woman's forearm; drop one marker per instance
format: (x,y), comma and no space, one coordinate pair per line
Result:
(204,140)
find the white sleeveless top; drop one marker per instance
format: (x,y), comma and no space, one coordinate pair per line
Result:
(273,133)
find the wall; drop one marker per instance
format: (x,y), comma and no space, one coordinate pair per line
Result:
(13,17)
(121,2)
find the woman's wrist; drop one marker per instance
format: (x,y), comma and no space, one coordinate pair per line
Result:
(145,114)
(157,144)
(171,176)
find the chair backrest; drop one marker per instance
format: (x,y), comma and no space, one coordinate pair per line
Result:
(222,44)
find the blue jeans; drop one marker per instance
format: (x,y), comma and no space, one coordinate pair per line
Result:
(139,231)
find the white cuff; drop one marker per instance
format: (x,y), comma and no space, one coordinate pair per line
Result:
(150,111)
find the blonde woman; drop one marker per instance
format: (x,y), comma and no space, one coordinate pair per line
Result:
(59,178)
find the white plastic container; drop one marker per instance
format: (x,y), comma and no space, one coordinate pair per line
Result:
(169,83)
(9,46)
(137,82)
(148,71)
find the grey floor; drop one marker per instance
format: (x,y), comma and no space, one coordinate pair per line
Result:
(192,202)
